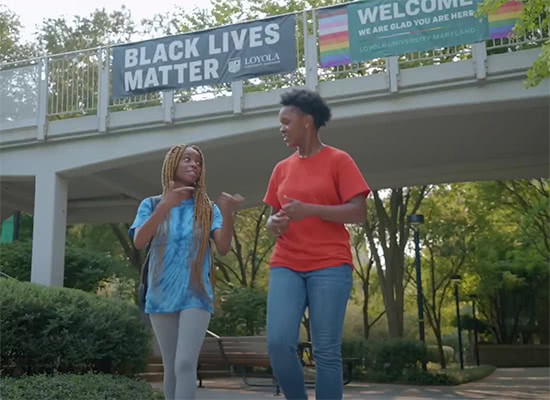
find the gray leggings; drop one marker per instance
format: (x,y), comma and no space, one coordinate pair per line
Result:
(180,337)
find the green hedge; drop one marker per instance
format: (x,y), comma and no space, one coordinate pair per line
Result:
(77,387)
(240,312)
(389,360)
(356,347)
(84,269)
(45,329)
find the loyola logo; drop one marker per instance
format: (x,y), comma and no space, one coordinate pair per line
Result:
(234,65)
(264,59)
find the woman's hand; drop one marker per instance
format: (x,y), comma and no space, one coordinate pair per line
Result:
(295,209)
(175,195)
(227,202)
(278,223)
(222,237)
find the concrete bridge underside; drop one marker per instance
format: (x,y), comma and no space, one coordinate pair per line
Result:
(475,132)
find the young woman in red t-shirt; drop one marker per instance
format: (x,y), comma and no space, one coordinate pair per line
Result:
(312,193)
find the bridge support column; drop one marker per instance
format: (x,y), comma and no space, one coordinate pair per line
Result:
(48,236)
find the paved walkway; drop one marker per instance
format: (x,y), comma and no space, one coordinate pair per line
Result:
(503,384)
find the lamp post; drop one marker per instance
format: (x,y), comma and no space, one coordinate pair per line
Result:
(456,280)
(476,340)
(416,220)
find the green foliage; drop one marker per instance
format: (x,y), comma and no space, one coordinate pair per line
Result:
(356,347)
(250,251)
(460,376)
(388,360)
(241,312)
(99,28)
(11,47)
(533,12)
(84,269)
(448,241)
(47,329)
(467,323)
(511,258)
(420,377)
(89,386)
(388,234)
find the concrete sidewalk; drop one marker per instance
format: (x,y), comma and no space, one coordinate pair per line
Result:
(503,384)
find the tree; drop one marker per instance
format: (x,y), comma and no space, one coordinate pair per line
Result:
(535,16)
(243,312)
(529,200)
(363,270)
(12,47)
(387,243)
(448,239)
(100,28)
(250,249)
(512,259)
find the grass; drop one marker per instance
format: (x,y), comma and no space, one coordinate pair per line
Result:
(469,373)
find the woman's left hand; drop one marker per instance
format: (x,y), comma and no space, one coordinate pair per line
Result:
(228,202)
(295,209)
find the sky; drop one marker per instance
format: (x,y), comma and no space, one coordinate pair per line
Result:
(31,12)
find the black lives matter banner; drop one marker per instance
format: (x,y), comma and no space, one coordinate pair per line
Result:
(213,56)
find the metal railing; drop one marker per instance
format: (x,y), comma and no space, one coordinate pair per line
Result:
(73,84)
(78,84)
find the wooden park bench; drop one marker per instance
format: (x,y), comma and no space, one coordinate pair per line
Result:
(235,351)
(251,351)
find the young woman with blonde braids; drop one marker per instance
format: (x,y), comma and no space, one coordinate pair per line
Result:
(179,297)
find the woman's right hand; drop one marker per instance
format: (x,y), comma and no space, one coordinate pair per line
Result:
(175,195)
(278,223)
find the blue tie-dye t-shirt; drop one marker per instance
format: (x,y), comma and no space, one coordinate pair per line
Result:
(171,292)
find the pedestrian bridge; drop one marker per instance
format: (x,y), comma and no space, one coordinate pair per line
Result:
(71,153)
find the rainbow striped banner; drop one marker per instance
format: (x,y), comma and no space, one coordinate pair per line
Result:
(503,19)
(333,36)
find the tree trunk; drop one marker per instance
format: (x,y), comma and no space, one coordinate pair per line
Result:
(442,360)
(366,326)
(391,236)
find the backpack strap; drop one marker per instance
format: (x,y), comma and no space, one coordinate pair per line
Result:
(155,200)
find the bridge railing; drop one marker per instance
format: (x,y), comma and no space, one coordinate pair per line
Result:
(74,84)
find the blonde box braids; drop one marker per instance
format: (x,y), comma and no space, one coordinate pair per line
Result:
(202,217)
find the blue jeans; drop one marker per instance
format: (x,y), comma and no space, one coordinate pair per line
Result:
(325,291)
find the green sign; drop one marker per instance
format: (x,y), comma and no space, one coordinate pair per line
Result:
(381,28)
(6,235)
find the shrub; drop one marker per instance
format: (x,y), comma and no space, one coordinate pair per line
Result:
(387,360)
(355,347)
(421,377)
(49,328)
(433,354)
(84,269)
(242,313)
(77,387)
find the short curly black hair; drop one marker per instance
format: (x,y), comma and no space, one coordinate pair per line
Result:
(308,102)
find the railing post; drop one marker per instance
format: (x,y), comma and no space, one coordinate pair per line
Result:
(392,72)
(479,58)
(168,106)
(237,92)
(42,114)
(310,51)
(103,90)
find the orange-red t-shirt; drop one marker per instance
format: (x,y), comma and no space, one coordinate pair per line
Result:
(329,177)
